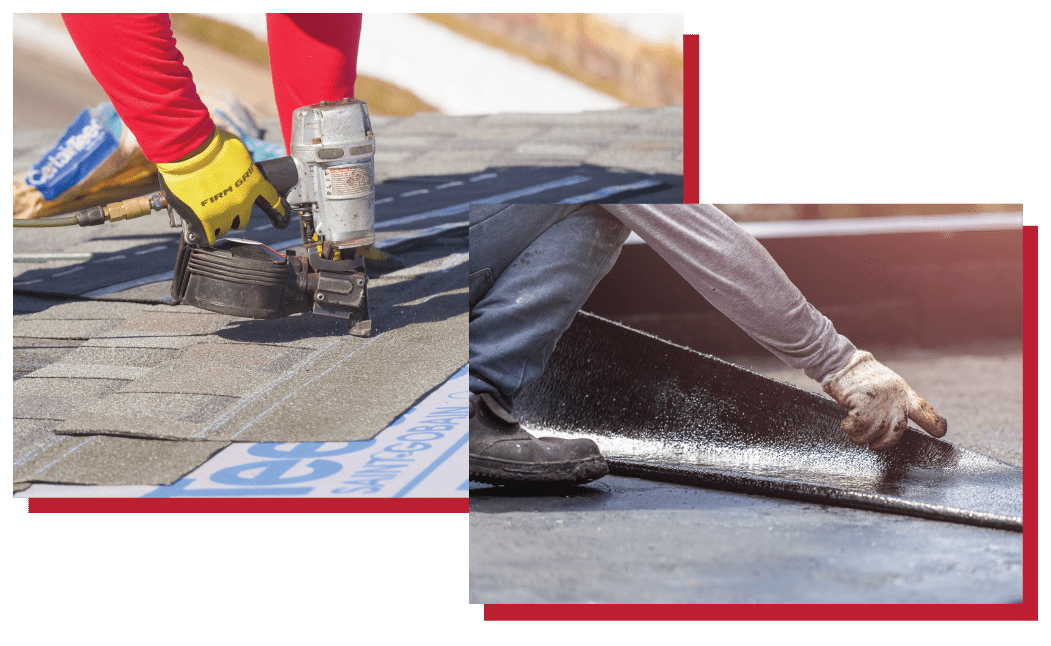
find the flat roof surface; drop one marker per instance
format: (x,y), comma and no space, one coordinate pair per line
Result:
(626,540)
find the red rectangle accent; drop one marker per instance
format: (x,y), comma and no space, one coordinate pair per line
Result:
(249,505)
(730,612)
(691,119)
(1030,406)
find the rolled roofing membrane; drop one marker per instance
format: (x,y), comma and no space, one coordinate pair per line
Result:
(664,412)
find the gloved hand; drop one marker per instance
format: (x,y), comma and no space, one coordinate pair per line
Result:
(214,190)
(880,402)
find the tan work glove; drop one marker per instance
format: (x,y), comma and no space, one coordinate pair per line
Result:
(880,402)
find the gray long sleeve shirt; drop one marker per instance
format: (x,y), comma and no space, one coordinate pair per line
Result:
(735,274)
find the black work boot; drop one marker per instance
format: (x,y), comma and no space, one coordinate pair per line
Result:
(502,453)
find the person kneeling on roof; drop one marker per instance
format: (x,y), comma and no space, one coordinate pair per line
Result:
(533,266)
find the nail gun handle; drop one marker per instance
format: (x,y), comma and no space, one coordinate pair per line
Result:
(282,174)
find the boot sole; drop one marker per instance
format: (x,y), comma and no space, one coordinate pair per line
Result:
(497,472)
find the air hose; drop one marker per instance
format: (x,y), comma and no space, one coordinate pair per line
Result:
(126,210)
(48,222)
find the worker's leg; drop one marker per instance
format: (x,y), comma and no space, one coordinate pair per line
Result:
(532,268)
(313,57)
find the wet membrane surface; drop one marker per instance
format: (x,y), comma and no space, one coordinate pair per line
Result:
(664,412)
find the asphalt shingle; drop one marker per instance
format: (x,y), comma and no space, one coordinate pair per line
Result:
(510,134)
(156,292)
(100,459)
(24,305)
(162,407)
(143,340)
(33,354)
(168,323)
(63,328)
(560,149)
(127,426)
(577,135)
(134,357)
(438,162)
(411,142)
(86,310)
(296,331)
(89,371)
(661,161)
(393,158)
(607,120)
(30,434)
(213,369)
(58,398)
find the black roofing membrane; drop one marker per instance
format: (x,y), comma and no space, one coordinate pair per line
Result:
(664,412)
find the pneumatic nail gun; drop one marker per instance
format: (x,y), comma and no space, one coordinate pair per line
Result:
(327,182)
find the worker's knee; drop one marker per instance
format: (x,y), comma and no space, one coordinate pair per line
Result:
(609,233)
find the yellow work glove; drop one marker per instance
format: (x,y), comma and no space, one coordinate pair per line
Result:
(214,190)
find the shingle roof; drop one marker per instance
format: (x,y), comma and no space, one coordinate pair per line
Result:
(115,385)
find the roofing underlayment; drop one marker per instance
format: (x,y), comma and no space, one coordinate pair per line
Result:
(114,385)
